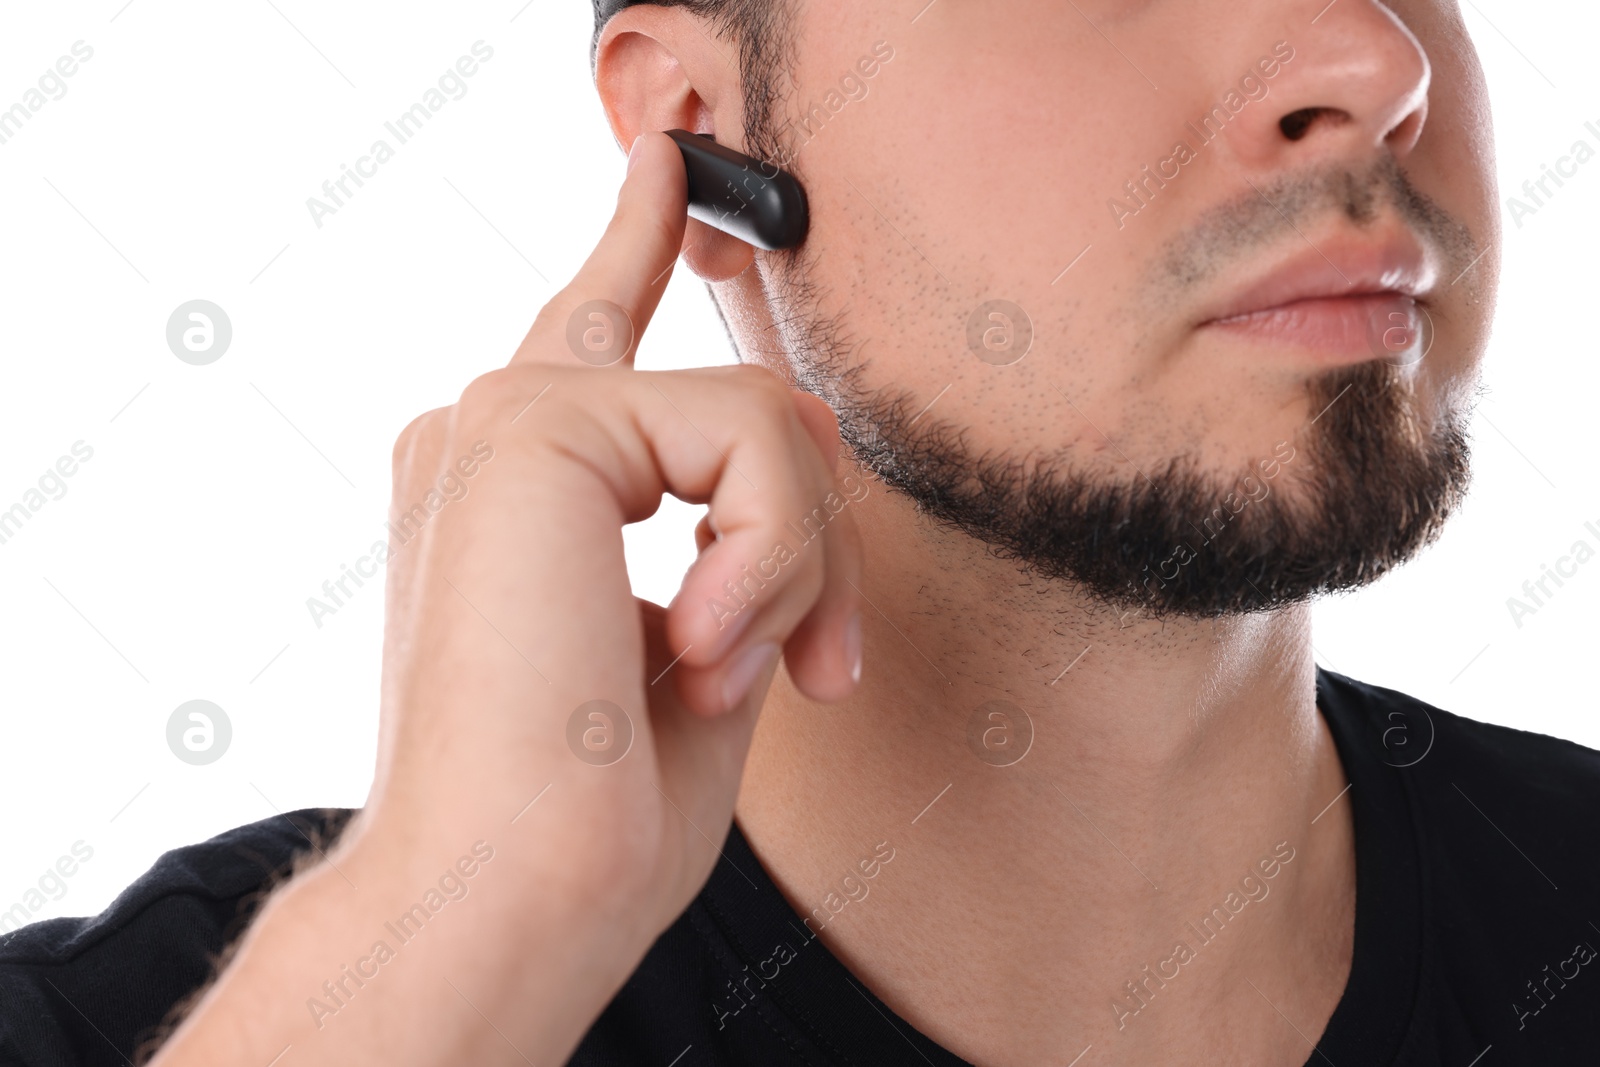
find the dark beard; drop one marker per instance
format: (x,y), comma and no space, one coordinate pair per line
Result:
(1357,495)
(1366,488)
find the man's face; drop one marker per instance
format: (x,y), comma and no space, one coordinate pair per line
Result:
(1253,242)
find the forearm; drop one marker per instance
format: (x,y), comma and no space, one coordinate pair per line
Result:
(331,973)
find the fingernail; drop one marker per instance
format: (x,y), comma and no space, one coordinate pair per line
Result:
(633,154)
(852,646)
(747,667)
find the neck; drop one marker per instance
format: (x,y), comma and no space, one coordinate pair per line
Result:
(1067,792)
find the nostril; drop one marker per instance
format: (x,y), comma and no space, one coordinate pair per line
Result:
(1404,136)
(1295,124)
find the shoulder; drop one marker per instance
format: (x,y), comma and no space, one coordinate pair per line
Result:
(229,866)
(1452,751)
(155,944)
(1499,825)
(1504,820)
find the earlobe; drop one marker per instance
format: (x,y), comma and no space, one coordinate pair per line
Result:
(713,255)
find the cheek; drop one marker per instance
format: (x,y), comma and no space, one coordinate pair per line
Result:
(997,189)
(1454,161)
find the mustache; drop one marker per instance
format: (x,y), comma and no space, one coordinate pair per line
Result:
(1263,214)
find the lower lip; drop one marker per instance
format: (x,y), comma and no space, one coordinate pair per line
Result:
(1345,329)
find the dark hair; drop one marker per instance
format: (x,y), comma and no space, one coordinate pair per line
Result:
(761,30)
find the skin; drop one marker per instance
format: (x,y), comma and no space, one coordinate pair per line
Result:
(1173,754)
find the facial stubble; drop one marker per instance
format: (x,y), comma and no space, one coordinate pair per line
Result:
(1372,479)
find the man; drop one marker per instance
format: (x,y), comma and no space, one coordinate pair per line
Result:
(1121,331)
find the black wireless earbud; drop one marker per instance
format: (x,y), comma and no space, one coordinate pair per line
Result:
(743,197)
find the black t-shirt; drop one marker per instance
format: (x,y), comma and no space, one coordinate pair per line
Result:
(1477,904)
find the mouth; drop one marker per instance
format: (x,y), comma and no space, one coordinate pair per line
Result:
(1342,300)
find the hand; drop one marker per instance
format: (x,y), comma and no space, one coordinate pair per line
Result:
(513,608)
(508,613)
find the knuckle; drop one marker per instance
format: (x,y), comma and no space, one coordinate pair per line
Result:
(549,315)
(755,376)
(416,432)
(765,396)
(487,393)
(845,552)
(813,579)
(492,401)
(547,336)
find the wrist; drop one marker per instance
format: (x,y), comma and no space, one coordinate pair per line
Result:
(558,889)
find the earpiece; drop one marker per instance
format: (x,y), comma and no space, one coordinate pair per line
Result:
(756,202)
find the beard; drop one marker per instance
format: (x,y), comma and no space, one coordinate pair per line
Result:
(1359,493)
(1366,484)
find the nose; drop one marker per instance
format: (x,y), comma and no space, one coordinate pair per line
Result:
(1356,85)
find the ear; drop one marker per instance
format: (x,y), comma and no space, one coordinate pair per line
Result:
(660,68)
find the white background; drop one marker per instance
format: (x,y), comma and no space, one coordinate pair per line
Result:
(219,498)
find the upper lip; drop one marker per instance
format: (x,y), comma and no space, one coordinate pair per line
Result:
(1337,266)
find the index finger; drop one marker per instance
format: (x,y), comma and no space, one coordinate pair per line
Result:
(601,314)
